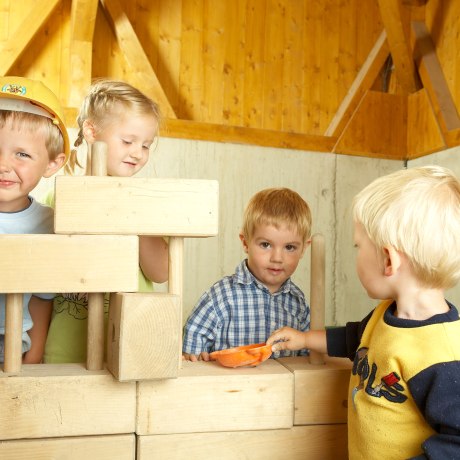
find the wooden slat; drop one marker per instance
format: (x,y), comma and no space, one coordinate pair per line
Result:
(142,71)
(82,23)
(21,37)
(61,263)
(209,397)
(121,447)
(392,16)
(433,78)
(49,400)
(136,206)
(321,442)
(13,333)
(361,84)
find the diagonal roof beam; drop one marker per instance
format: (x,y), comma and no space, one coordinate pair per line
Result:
(19,40)
(433,79)
(135,56)
(82,22)
(392,17)
(363,82)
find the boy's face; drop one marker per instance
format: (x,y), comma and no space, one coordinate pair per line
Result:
(369,264)
(128,143)
(24,161)
(273,254)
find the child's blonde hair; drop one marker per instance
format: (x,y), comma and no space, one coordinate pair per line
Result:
(417,211)
(107,100)
(277,206)
(54,140)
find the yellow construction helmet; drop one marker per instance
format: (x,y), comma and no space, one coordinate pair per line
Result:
(21,94)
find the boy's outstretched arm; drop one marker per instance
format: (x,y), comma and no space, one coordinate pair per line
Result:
(153,258)
(288,338)
(40,312)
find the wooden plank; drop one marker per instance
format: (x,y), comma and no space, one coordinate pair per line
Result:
(21,37)
(77,263)
(215,36)
(393,18)
(49,400)
(82,23)
(233,67)
(361,84)
(142,70)
(321,390)
(273,69)
(184,129)
(378,128)
(433,78)
(191,61)
(321,442)
(117,205)
(144,335)
(254,64)
(209,397)
(424,134)
(121,447)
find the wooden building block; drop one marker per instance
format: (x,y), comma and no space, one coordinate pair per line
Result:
(209,397)
(144,336)
(63,263)
(136,206)
(120,447)
(321,390)
(50,400)
(320,442)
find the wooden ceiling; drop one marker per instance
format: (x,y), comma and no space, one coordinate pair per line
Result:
(376,78)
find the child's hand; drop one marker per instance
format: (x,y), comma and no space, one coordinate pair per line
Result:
(203,356)
(287,338)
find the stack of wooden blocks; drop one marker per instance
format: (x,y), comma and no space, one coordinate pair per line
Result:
(145,403)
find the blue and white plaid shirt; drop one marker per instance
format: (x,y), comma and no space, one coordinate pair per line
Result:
(240,310)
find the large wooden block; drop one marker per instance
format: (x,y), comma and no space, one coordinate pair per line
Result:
(63,263)
(144,336)
(209,397)
(320,442)
(321,390)
(50,400)
(136,206)
(120,447)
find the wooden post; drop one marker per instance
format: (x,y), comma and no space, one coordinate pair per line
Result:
(317,290)
(95,340)
(13,334)
(176,276)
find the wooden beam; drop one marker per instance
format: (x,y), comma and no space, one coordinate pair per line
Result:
(143,73)
(363,82)
(21,37)
(82,22)
(392,16)
(433,79)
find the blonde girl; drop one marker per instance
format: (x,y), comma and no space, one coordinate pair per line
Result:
(125,119)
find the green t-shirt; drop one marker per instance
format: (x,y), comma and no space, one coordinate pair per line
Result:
(67,334)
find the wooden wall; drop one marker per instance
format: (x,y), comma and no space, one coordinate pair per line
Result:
(299,74)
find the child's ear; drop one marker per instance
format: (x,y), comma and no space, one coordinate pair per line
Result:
(89,132)
(244,243)
(54,165)
(391,260)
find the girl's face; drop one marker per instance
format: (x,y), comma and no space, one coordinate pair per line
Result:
(128,143)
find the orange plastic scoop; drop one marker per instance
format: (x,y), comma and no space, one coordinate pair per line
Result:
(247,355)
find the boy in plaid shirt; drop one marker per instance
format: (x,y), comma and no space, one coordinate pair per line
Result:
(246,307)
